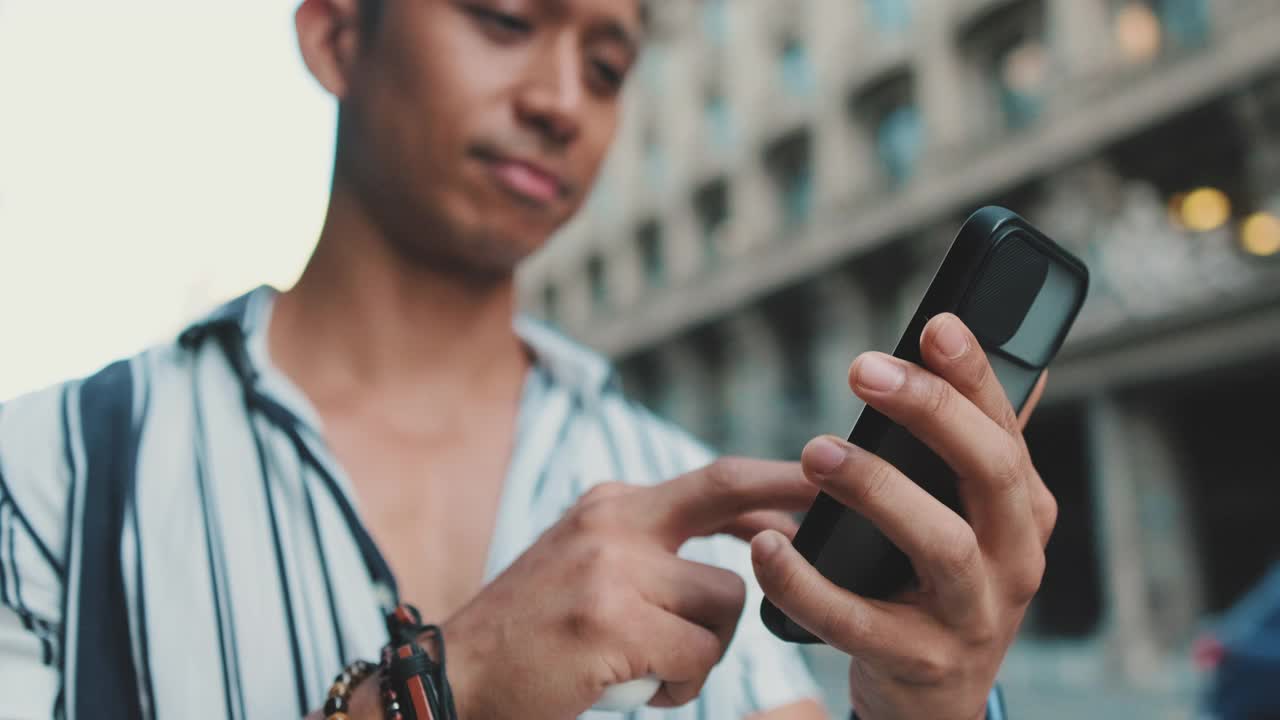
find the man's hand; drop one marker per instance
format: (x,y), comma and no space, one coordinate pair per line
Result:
(935,652)
(602,597)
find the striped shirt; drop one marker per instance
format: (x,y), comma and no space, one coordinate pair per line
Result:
(177,541)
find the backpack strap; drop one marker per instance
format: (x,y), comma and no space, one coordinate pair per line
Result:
(104,674)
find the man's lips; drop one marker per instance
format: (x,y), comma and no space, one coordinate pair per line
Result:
(526,179)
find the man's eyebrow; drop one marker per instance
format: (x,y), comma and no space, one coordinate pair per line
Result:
(619,33)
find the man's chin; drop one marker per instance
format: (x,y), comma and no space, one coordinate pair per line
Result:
(485,258)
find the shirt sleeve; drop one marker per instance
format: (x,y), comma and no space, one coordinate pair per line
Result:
(34,482)
(772,673)
(766,673)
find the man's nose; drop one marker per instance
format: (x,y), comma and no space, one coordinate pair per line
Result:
(552,97)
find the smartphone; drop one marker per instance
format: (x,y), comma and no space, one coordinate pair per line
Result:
(1019,292)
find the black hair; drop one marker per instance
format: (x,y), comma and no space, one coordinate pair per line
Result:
(370,12)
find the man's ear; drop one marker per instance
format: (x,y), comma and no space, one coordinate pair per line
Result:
(329,38)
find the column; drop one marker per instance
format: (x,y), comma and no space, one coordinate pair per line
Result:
(684,391)
(750,74)
(1173,568)
(624,270)
(842,329)
(754,396)
(682,242)
(948,86)
(1131,646)
(1081,35)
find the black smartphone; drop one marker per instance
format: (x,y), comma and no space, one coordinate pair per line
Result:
(1019,292)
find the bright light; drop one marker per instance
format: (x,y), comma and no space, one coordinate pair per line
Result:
(1138,32)
(1260,234)
(1026,69)
(156,157)
(1205,209)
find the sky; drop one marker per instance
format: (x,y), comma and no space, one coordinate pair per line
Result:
(156,156)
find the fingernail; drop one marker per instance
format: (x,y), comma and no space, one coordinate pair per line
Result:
(880,374)
(950,339)
(824,455)
(767,544)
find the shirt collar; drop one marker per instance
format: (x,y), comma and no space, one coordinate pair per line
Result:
(570,364)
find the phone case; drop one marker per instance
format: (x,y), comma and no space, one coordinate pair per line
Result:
(984,279)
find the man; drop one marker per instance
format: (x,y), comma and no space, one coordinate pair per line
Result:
(180,533)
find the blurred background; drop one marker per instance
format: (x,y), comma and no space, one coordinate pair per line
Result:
(788,177)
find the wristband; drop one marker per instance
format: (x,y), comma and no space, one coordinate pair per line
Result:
(415,685)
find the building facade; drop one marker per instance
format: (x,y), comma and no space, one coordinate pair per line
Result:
(788,177)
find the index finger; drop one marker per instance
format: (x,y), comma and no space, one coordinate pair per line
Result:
(706,500)
(948,348)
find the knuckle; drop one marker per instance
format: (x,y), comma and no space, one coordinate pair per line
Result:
(1045,507)
(786,582)
(721,476)
(730,585)
(593,516)
(599,562)
(833,621)
(703,652)
(874,484)
(597,613)
(1025,583)
(684,693)
(1008,465)
(958,550)
(930,666)
(934,396)
(708,650)
(985,631)
(601,492)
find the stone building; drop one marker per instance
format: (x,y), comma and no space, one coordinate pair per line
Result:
(790,173)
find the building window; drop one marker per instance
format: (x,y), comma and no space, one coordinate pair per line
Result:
(715,21)
(603,200)
(718,120)
(891,17)
(796,68)
(596,281)
(892,117)
(551,303)
(791,165)
(649,240)
(655,161)
(712,204)
(1186,22)
(1008,44)
(653,69)
(899,142)
(1021,76)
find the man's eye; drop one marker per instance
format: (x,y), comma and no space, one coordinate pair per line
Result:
(608,74)
(505,24)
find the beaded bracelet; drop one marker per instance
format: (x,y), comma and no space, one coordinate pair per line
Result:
(344,686)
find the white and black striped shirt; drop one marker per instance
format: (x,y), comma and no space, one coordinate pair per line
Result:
(176,541)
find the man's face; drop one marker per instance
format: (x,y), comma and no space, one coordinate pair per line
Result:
(473,129)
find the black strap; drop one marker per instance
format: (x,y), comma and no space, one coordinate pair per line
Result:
(106,680)
(227,330)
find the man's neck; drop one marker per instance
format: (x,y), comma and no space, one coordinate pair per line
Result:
(363,323)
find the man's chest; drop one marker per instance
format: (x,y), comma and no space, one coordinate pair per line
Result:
(431,506)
